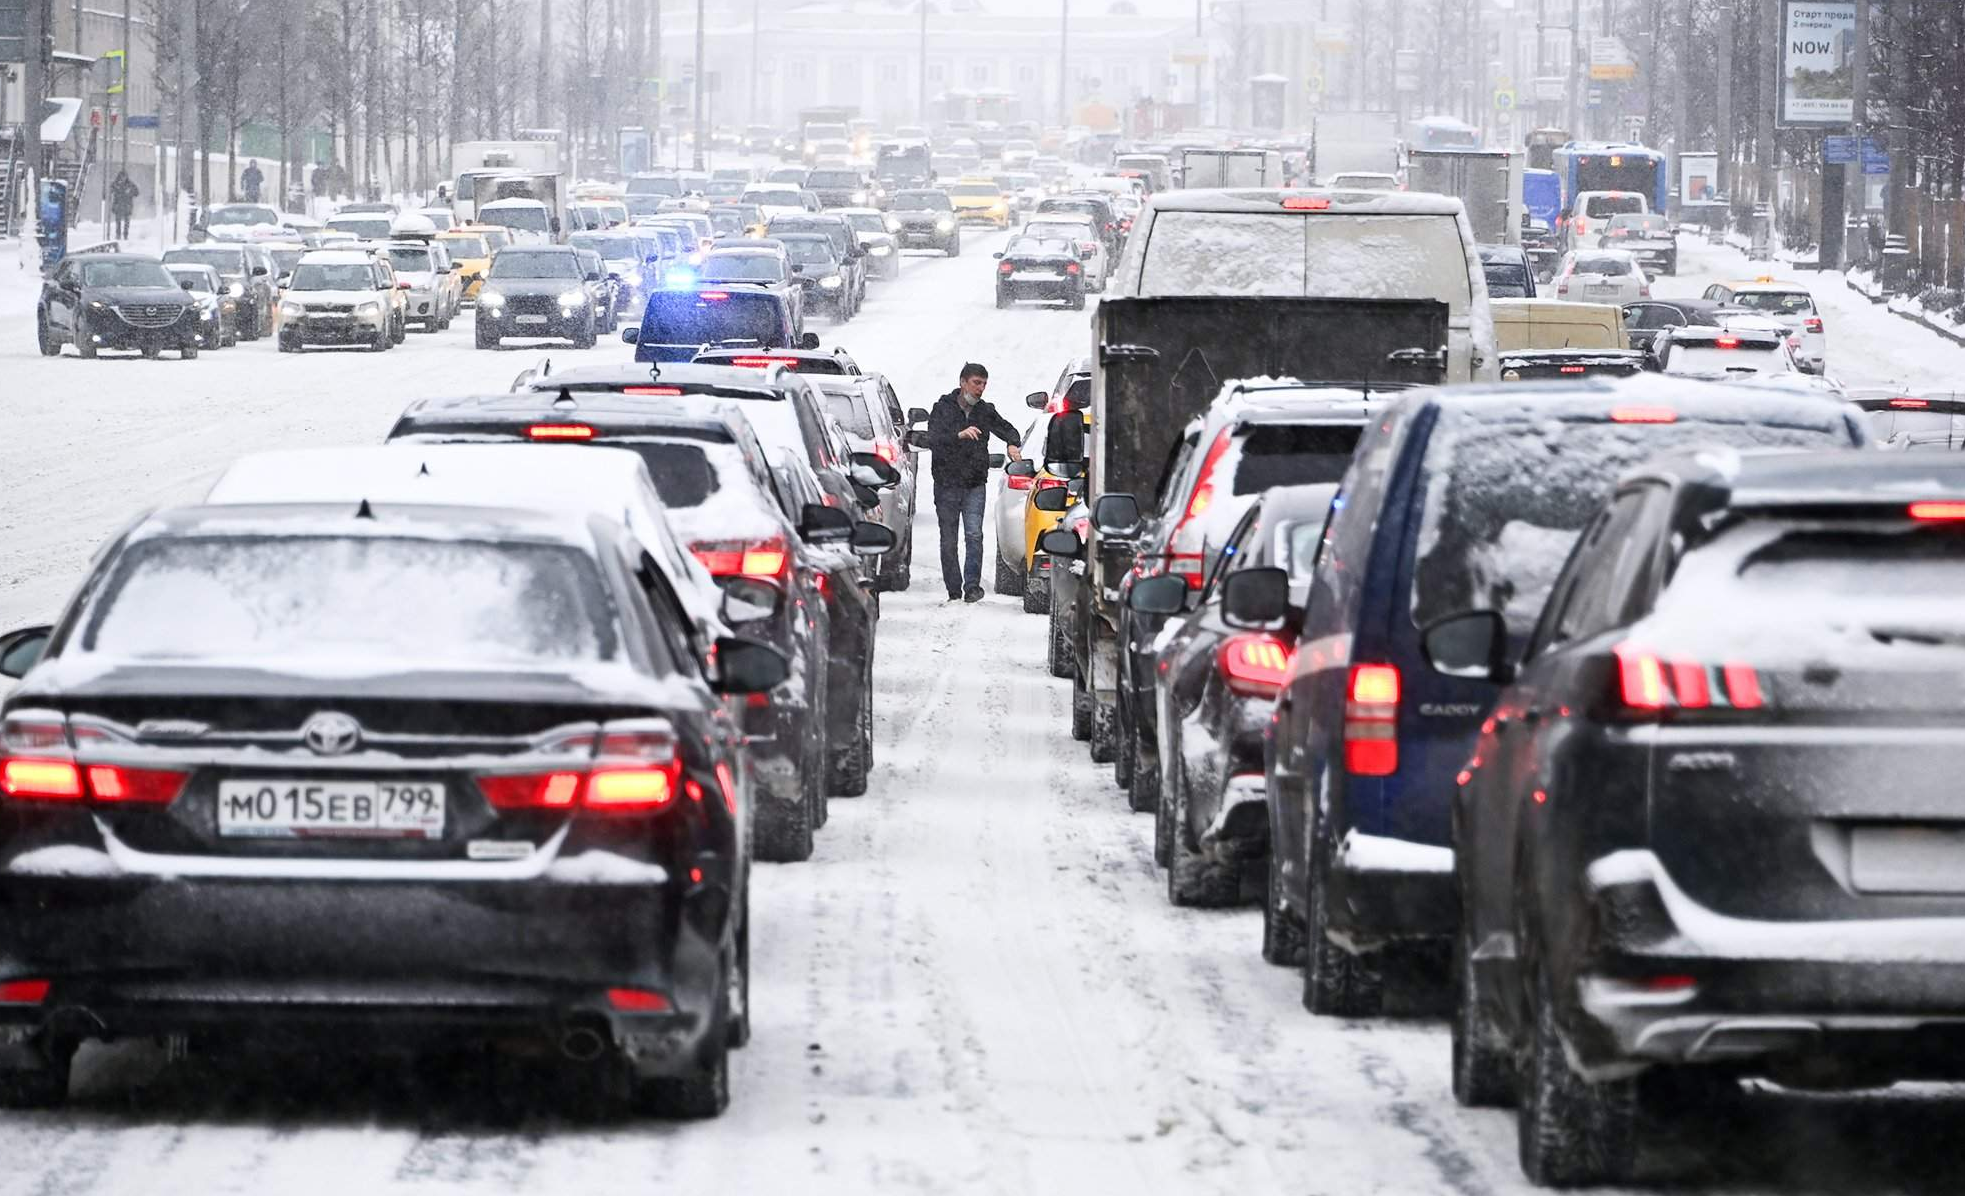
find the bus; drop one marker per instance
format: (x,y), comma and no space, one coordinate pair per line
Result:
(1613,166)
(1444,133)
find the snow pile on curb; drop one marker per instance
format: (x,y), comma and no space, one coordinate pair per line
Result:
(1941,309)
(1864,283)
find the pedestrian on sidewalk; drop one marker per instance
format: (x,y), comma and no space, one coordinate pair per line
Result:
(959,429)
(122,204)
(251,181)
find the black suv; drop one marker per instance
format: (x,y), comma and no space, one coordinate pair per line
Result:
(816,267)
(845,246)
(115,301)
(926,220)
(541,290)
(247,278)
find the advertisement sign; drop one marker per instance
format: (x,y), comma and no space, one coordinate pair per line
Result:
(1610,60)
(1405,70)
(1818,43)
(1698,178)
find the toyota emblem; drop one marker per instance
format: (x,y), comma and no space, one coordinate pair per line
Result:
(331,733)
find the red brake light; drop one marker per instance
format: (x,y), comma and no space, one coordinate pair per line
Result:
(1910,402)
(763,561)
(1726,342)
(626,789)
(636,770)
(1254,665)
(1306,203)
(1572,369)
(1371,720)
(670,391)
(1006,268)
(142,786)
(1937,511)
(1071,268)
(1648,683)
(887,451)
(1018,483)
(714,296)
(531,791)
(28,779)
(560,432)
(637,1000)
(1643,415)
(1812,323)
(763,363)
(23,992)
(729,558)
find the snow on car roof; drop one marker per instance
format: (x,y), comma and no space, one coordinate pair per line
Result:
(506,204)
(1402,203)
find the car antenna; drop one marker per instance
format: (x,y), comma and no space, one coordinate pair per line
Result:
(364,511)
(565,398)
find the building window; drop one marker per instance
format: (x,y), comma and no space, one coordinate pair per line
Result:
(979,74)
(890,72)
(1026,74)
(935,73)
(800,70)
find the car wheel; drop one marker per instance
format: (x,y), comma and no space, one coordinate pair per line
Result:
(1077,302)
(1569,1131)
(44,338)
(954,248)
(382,340)
(1057,653)
(1009,580)
(1192,878)
(151,352)
(1036,594)
(1336,983)
(1081,708)
(1122,759)
(487,339)
(784,829)
(1282,931)
(1143,796)
(188,352)
(900,574)
(847,767)
(701,1093)
(587,337)
(288,344)
(402,331)
(1481,1063)
(737,998)
(42,1084)
(1105,731)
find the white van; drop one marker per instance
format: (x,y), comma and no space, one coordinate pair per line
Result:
(1319,244)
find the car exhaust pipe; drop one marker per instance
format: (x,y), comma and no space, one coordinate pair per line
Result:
(585,1038)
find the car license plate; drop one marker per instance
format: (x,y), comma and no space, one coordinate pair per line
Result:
(1600,288)
(1033,276)
(532,319)
(1907,859)
(293,809)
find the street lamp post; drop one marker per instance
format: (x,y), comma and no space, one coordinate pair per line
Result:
(702,84)
(923,104)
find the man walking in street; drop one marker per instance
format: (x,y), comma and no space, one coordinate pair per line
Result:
(959,429)
(251,181)
(122,202)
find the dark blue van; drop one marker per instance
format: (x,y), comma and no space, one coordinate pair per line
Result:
(1458,498)
(680,323)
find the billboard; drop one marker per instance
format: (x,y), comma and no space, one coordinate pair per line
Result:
(1698,178)
(1818,42)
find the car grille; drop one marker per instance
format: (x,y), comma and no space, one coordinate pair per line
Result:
(149,315)
(532,305)
(330,309)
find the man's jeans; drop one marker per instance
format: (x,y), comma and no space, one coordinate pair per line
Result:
(967,505)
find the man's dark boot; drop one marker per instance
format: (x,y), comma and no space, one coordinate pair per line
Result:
(973,594)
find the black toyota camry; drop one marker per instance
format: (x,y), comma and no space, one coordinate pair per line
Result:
(419,775)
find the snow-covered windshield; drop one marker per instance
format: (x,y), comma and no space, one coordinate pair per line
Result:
(809,251)
(524,217)
(785,198)
(463,246)
(833,179)
(610,246)
(198,276)
(1343,256)
(661,185)
(922,201)
(867,222)
(1713,361)
(976,191)
(535,263)
(1605,264)
(125,274)
(322,276)
(368,228)
(683,473)
(1041,247)
(332,600)
(410,259)
(242,214)
(229,262)
(1780,302)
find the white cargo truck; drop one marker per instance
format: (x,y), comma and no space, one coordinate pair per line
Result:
(1487,182)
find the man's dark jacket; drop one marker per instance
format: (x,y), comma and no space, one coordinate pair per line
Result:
(963,464)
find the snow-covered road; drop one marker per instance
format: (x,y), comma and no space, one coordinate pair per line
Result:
(976,985)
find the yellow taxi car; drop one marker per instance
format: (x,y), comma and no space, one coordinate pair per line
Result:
(1051,447)
(980,201)
(471,247)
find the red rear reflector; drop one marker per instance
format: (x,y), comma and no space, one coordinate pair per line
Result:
(560,432)
(1017,483)
(23,992)
(1690,683)
(1937,510)
(1643,415)
(1910,402)
(41,780)
(728,783)
(545,791)
(113,783)
(1071,267)
(637,1000)
(1371,757)
(1006,268)
(651,390)
(887,451)
(1645,682)
(1571,369)
(1669,984)
(1306,203)
(1726,342)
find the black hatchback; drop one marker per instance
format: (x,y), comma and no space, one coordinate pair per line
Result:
(395,775)
(1712,827)
(98,301)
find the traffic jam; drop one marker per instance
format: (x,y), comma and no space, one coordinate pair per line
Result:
(1420,656)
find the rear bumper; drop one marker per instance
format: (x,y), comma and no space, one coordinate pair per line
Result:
(1041,288)
(1382,890)
(1886,994)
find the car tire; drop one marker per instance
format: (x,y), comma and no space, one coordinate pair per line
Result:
(43,1087)
(587,338)
(151,352)
(1036,594)
(382,340)
(83,345)
(1144,795)
(847,767)
(954,248)
(698,1095)
(287,344)
(44,338)
(1482,1068)
(1193,879)
(187,352)
(1282,931)
(1077,302)
(1009,580)
(737,1006)
(1057,652)
(486,339)
(814,781)
(900,574)
(1105,731)
(1122,757)
(1003,299)
(1081,708)
(1336,983)
(401,332)
(1569,1131)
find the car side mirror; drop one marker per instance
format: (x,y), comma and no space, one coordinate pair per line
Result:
(872,539)
(631,334)
(1255,598)
(1471,644)
(1116,515)
(821,524)
(1061,541)
(259,271)
(809,340)
(997,256)
(872,469)
(1020,469)
(917,415)
(1036,398)
(21,650)
(1050,498)
(748,667)
(750,599)
(1162,595)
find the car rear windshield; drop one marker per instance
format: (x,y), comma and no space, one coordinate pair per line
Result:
(465,246)
(125,274)
(776,199)
(332,600)
(1295,455)
(526,263)
(199,280)
(867,222)
(921,201)
(681,469)
(1784,302)
(242,215)
(1599,206)
(614,247)
(741,267)
(225,261)
(977,190)
(1603,265)
(1641,223)
(1747,358)
(408,258)
(1506,280)
(707,317)
(526,218)
(372,228)
(1347,256)
(850,409)
(1505,496)
(661,186)
(812,251)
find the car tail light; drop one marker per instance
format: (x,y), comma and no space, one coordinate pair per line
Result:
(1643,415)
(532,791)
(1582,227)
(36,764)
(25,778)
(1371,720)
(1648,682)
(1017,483)
(637,1000)
(1306,203)
(731,558)
(646,391)
(1812,324)
(1254,665)
(560,432)
(1199,502)
(24,992)
(887,451)
(1049,483)
(1911,403)
(1087,246)
(1937,511)
(1072,268)
(1189,566)
(714,296)
(635,770)
(134,786)
(1644,290)
(1571,369)
(1726,342)
(763,363)
(1006,268)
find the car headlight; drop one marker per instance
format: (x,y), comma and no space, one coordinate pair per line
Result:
(572,298)
(490,299)
(830,282)
(98,305)
(292,309)
(236,290)
(945,224)
(367,309)
(893,224)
